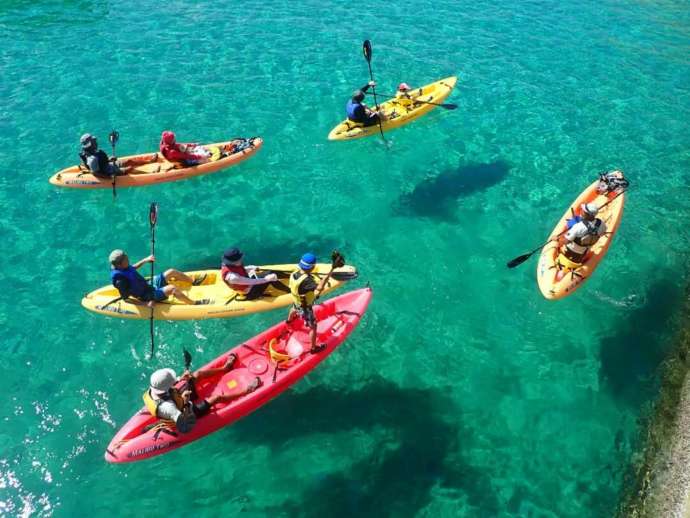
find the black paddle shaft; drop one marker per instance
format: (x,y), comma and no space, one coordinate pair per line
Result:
(113,138)
(447,106)
(366,47)
(153,218)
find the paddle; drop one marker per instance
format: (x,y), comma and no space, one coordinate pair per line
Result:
(113,138)
(522,258)
(337,261)
(153,218)
(187,359)
(366,47)
(338,276)
(447,106)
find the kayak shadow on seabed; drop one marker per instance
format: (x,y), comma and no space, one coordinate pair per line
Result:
(437,197)
(426,454)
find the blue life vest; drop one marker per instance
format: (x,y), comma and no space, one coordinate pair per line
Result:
(355,111)
(137,284)
(572,221)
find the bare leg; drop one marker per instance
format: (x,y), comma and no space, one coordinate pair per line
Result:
(291,315)
(209,373)
(235,392)
(312,336)
(173,290)
(172,275)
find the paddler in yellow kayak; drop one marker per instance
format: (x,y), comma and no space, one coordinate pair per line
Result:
(245,280)
(403,95)
(359,112)
(130,283)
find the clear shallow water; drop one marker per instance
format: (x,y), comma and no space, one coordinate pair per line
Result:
(463,393)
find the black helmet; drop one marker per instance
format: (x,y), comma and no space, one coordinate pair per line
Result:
(88,141)
(231,256)
(358,96)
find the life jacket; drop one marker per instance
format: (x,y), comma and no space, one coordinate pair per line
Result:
(592,235)
(152,404)
(296,280)
(137,284)
(355,111)
(237,270)
(103,162)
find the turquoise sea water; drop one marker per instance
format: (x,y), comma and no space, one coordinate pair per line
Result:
(463,392)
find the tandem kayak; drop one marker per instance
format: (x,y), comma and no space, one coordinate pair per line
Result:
(264,356)
(153,168)
(220,301)
(398,112)
(556,275)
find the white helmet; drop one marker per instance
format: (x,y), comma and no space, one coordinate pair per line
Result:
(591,209)
(162,380)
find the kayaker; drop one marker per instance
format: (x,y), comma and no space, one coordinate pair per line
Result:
(164,401)
(130,283)
(244,279)
(97,161)
(188,154)
(403,96)
(583,234)
(305,290)
(359,112)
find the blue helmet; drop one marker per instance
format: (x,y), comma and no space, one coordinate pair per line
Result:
(308,261)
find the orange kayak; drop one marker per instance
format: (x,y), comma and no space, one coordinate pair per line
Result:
(557,276)
(152,168)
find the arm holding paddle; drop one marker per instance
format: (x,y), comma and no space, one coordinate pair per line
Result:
(142,262)
(337,261)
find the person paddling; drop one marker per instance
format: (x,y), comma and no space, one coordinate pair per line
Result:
(305,290)
(359,112)
(178,405)
(188,154)
(130,283)
(244,279)
(586,231)
(97,161)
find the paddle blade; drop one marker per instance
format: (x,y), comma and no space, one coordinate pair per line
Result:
(344,276)
(153,214)
(366,48)
(450,106)
(187,358)
(519,260)
(337,259)
(114,137)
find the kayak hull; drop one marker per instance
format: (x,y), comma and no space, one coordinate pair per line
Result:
(143,436)
(398,114)
(223,302)
(557,282)
(153,168)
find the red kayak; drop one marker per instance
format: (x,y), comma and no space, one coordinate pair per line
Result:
(280,356)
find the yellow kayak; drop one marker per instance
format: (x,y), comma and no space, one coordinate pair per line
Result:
(220,301)
(398,112)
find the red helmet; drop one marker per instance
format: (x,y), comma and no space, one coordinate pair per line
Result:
(404,87)
(168,137)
